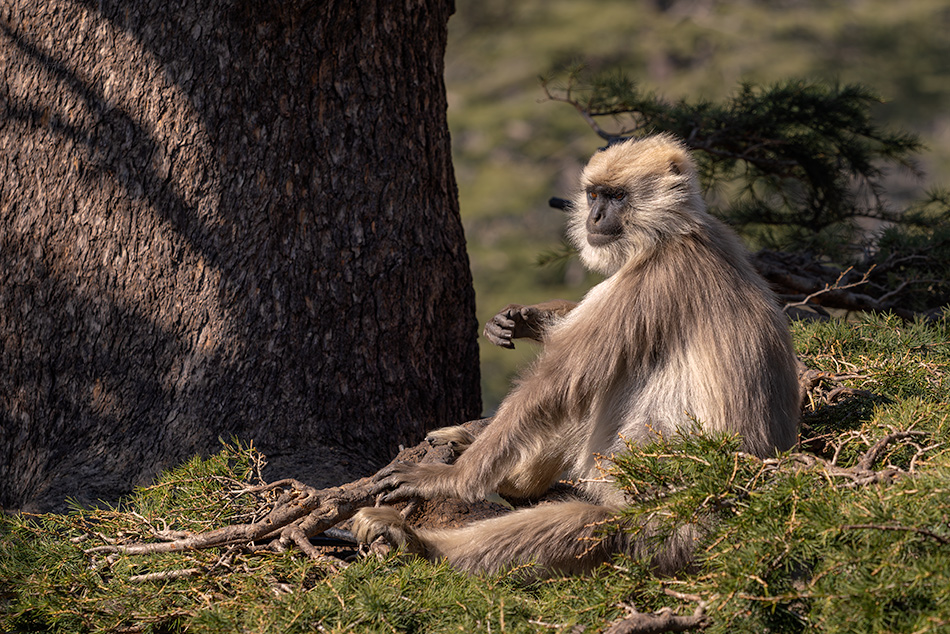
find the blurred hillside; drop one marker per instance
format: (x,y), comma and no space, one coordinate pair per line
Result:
(512,151)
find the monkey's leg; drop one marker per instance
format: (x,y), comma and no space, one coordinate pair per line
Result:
(562,538)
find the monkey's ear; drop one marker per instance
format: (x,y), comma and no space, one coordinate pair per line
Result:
(677,164)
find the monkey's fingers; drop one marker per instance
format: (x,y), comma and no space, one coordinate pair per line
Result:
(529,313)
(392,483)
(500,332)
(399,495)
(393,488)
(386,485)
(532,322)
(386,471)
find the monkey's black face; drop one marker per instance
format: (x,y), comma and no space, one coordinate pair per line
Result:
(606,205)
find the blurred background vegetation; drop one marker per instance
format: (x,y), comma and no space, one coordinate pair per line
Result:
(513,150)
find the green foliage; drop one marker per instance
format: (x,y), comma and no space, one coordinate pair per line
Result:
(507,144)
(916,253)
(49,584)
(793,544)
(796,545)
(798,161)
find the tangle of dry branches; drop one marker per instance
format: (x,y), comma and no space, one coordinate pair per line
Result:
(299,512)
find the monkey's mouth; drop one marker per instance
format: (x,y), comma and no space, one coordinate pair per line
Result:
(601,239)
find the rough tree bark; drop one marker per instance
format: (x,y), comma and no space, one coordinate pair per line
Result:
(222,219)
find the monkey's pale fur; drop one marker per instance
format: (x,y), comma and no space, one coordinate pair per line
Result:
(682,328)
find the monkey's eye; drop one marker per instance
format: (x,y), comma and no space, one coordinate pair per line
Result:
(592,195)
(619,195)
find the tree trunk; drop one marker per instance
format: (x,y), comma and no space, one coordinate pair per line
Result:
(224,219)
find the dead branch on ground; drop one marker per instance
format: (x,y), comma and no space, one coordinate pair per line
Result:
(664,620)
(805,284)
(862,473)
(818,387)
(299,512)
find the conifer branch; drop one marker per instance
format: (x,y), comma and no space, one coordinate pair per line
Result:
(807,158)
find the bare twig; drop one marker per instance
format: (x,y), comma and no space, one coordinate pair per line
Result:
(896,527)
(168,575)
(583,110)
(861,474)
(810,383)
(804,282)
(871,455)
(550,626)
(663,620)
(682,596)
(835,287)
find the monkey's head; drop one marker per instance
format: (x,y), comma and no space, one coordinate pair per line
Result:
(633,196)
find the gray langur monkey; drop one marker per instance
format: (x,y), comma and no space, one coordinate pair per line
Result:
(682,328)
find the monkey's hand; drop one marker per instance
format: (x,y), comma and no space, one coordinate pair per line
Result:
(406,480)
(515,321)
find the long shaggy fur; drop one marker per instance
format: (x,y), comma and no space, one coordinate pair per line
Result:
(682,328)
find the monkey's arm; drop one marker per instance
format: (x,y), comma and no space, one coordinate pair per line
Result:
(515,321)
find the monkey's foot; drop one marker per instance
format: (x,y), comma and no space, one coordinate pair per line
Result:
(385,521)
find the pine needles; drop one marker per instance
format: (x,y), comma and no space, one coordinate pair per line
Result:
(850,533)
(798,161)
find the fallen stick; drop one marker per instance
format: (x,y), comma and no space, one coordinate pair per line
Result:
(302,513)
